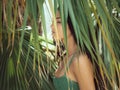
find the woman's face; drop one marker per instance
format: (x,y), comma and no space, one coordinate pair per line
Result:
(57,32)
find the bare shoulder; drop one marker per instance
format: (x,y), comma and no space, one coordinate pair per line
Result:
(83,72)
(81,61)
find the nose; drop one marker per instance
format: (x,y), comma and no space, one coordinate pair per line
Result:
(52,27)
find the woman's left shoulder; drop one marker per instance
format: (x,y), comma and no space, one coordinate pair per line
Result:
(83,72)
(81,59)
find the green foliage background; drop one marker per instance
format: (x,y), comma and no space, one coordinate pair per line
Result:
(24,64)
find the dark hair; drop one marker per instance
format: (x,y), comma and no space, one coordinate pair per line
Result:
(99,82)
(71,27)
(72,30)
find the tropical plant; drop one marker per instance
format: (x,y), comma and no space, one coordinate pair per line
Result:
(23,61)
(24,64)
(96,27)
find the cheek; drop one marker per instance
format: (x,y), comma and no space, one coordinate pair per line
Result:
(60,33)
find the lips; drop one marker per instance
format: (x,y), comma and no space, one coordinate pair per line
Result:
(53,33)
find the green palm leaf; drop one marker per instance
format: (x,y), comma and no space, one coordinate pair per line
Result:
(24,63)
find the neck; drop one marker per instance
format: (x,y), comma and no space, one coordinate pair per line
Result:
(72,46)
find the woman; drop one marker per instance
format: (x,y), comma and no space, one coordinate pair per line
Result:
(75,71)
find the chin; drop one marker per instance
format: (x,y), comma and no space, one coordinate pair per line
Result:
(60,47)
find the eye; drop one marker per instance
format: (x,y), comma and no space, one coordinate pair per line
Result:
(59,22)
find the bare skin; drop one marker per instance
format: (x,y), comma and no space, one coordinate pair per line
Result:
(80,70)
